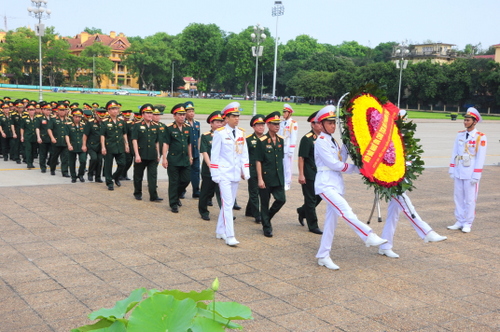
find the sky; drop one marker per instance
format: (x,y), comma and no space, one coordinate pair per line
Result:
(368,22)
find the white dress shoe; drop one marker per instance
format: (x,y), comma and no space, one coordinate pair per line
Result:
(327,262)
(455,226)
(434,237)
(220,236)
(374,240)
(231,241)
(466,229)
(388,253)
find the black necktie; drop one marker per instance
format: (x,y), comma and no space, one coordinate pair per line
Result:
(466,135)
(234,133)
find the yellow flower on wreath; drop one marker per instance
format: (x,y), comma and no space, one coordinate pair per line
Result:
(387,174)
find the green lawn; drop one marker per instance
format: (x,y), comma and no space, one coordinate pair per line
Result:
(203,106)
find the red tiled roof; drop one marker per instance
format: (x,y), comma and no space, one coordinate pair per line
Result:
(189,79)
(119,43)
(489,56)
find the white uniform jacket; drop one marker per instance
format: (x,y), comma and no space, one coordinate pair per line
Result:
(289,130)
(229,156)
(330,161)
(473,148)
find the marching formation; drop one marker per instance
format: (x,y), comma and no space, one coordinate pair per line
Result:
(61,133)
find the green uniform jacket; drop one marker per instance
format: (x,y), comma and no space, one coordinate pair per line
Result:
(58,128)
(113,134)
(146,137)
(6,123)
(271,156)
(75,136)
(252,145)
(162,131)
(16,120)
(306,151)
(92,130)
(42,123)
(206,146)
(178,141)
(29,125)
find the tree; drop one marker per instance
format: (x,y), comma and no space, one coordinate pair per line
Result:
(201,46)
(301,48)
(311,84)
(424,80)
(150,59)
(97,56)
(383,52)
(20,52)
(55,54)
(93,31)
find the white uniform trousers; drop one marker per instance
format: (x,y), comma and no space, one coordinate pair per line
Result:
(225,223)
(396,205)
(287,169)
(338,206)
(465,195)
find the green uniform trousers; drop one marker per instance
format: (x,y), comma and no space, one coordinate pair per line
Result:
(253,204)
(30,149)
(45,148)
(108,166)
(207,191)
(267,213)
(82,160)
(55,153)
(308,210)
(178,180)
(95,164)
(152,175)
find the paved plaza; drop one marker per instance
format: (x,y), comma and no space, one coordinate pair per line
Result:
(69,249)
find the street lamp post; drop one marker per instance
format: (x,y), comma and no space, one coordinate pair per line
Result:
(40,13)
(258,36)
(172,83)
(278,10)
(401,51)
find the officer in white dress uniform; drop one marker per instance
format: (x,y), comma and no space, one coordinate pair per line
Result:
(330,161)
(288,130)
(466,166)
(229,164)
(398,204)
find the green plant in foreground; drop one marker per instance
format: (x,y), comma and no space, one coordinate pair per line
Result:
(169,311)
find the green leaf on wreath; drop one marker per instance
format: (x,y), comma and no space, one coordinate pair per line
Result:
(121,308)
(231,310)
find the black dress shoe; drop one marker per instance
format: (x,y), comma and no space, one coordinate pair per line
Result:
(268,234)
(209,203)
(316,231)
(182,195)
(73,180)
(44,171)
(138,197)
(196,195)
(90,178)
(81,178)
(301,217)
(66,176)
(110,187)
(258,220)
(205,217)
(52,172)
(179,203)
(174,209)
(18,162)
(118,183)
(236,207)
(126,178)
(98,180)
(157,199)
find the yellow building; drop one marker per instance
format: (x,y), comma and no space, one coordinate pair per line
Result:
(3,67)
(497,52)
(121,78)
(436,52)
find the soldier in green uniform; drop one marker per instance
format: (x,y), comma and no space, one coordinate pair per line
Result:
(42,135)
(208,187)
(177,157)
(8,131)
(129,157)
(307,176)
(28,135)
(74,140)
(269,162)
(253,204)
(57,133)
(157,113)
(114,144)
(17,146)
(145,142)
(92,145)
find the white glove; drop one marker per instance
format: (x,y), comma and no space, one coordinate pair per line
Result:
(474,181)
(452,176)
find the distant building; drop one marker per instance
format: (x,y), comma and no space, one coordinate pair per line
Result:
(436,52)
(119,43)
(190,85)
(497,52)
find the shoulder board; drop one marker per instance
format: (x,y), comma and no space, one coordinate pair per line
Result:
(293,121)
(280,136)
(207,133)
(263,138)
(187,124)
(221,128)
(249,136)
(309,134)
(170,124)
(130,121)
(480,133)
(25,116)
(241,129)
(107,119)
(462,131)
(38,116)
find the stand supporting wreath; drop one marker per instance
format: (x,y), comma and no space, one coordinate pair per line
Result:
(380,142)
